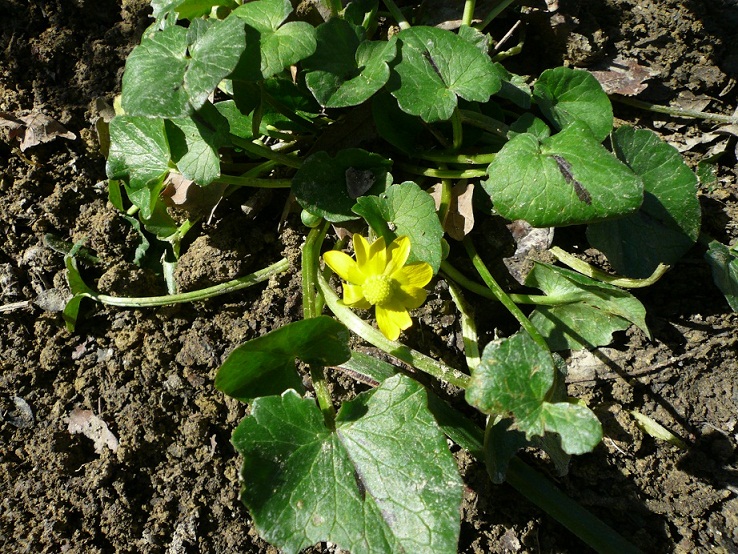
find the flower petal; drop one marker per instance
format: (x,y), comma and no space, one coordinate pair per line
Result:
(414,275)
(399,252)
(354,297)
(361,248)
(392,321)
(411,297)
(344,266)
(376,258)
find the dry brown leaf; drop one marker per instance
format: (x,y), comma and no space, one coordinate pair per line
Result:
(92,427)
(460,217)
(180,192)
(34,128)
(624,77)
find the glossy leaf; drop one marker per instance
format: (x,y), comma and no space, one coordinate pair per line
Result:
(437,67)
(266,365)
(271,44)
(565,179)
(594,312)
(668,222)
(383,481)
(324,185)
(409,211)
(567,96)
(187,9)
(139,151)
(167,76)
(345,69)
(514,378)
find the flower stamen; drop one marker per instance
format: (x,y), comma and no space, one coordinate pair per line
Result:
(377,289)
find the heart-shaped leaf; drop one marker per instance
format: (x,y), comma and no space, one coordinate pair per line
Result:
(345,69)
(568,96)
(328,187)
(168,76)
(592,313)
(139,151)
(271,46)
(435,68)
(668,223)
(566,179)
(410,211)
(514,378)
(383,481)
(266,365)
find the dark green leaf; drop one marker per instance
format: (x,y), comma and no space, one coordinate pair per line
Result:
(266,365)
(514,377)
(166,76)
(668,223)
(139,151)
(328,187)
(411,212)
(384,481)
(724,264)
(270,45)
(568,96)
(566,179)
(594,312)
(436,67)
(403,131)
(187,9)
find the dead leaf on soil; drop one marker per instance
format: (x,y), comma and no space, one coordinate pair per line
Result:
(460,218)
(92,427)
(626,77)
(180,192)
(530,242)
(34,128)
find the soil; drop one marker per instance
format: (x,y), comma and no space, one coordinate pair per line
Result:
(163,475)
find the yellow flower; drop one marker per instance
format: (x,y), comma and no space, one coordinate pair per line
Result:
(379,277)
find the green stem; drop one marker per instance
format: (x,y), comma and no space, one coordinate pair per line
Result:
(494,13)
(310,253)
(192,296)
(485,122)
(468,16)
(442,173)
(256,182)
(290,114)
(420,361)
(457,129)
(468,327)
(445,203)
(595,273)
(456,158)
(677,112)
(265,152)
(397,14)
(502,296)
(536,299)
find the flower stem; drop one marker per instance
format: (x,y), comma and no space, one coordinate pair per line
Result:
(404,353)
(502,296)
(468,16)
(494,13)
(397,14)
(457,129)
(265,152)
(468,327)
(484,122)
(442,173)
(674,111)
(457,158)
(192,296)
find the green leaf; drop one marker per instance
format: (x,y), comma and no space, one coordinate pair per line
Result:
(668,223)
(194,143)
(271,46)
(139,151)
(346,70)
(166,76)
(383,481)
(566,179)
(328,187)
(514,377)
(568,96)
(266,365)
(410,211)
(594,311)
(724,264)
(403,131)
(186,9)
(436,67)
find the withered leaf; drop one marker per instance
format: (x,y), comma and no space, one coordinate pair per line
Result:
(34,128)
(624,77)
(460,218)
(180,192)
(92,427)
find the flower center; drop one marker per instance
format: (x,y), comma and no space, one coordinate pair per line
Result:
(377,289)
